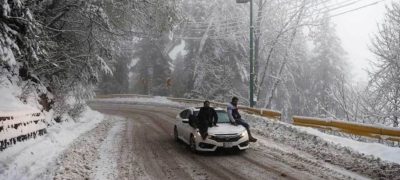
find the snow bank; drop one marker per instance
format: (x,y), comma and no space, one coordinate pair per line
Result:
(9,102)
(298,135)
(384,152)
(18,121)
(92,152)
(31,159)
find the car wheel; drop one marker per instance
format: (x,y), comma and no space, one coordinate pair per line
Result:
(176,134)
(192,144)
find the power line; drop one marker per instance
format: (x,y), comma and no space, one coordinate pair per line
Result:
(236,25)
(240,19)
(237,19)
(345,12)
(231,18)
(338,14)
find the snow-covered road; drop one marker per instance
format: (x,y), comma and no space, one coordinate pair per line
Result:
(148,151)
(135,141)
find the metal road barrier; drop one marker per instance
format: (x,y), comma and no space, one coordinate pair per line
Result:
(367,130)
(20,126)
(262,112)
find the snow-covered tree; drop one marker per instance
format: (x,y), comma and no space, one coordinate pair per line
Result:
(385,80)
(152,69)
(20,47)
(214,60)
(328,66)
(59,49)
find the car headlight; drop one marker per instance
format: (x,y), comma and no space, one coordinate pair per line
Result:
(243,134)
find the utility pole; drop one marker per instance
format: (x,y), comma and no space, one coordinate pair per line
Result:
(251,88)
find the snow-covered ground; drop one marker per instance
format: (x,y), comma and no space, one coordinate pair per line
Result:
(34,158)
(377,150)
(10,103)
(94,154)
(352,155)
(384,152)
(107,163)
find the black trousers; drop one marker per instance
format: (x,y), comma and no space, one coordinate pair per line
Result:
(203,128)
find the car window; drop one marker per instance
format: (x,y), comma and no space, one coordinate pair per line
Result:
(185,114)
(223,117)
(195,113)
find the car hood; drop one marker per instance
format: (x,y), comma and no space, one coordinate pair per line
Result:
(226,128)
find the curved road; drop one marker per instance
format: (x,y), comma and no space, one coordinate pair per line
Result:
(148,151)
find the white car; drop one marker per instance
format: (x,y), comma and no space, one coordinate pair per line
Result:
(225,135)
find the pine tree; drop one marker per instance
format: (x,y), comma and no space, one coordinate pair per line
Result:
(328,67)
(153,68)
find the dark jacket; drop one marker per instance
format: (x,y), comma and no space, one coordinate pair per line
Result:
(207,117)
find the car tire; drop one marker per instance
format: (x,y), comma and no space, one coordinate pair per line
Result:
(176,134)
(192,144)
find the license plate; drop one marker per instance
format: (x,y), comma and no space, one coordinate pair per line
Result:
(227,144)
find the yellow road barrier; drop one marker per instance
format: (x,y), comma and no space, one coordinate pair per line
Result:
(368,130)
(262,112)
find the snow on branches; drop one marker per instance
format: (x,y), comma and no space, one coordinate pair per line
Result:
(63,47)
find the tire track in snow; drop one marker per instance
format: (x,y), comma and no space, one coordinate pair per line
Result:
(106,165)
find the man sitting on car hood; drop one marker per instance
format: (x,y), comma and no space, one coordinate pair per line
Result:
(207,117)
(236,118)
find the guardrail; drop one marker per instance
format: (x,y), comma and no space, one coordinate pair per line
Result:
(262,112)
(20,126)
(367,130)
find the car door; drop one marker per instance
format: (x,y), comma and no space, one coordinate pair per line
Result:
(179,123)
(183,124)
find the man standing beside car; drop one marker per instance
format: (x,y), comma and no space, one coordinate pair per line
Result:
(207,117)
(236,118)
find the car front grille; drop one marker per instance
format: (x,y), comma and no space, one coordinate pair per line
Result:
(225,138)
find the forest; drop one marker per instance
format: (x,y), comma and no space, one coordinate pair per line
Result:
(62,52)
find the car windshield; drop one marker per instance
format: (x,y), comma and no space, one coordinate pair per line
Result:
(222,116)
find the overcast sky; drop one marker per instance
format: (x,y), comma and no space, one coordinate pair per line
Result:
(355,29)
